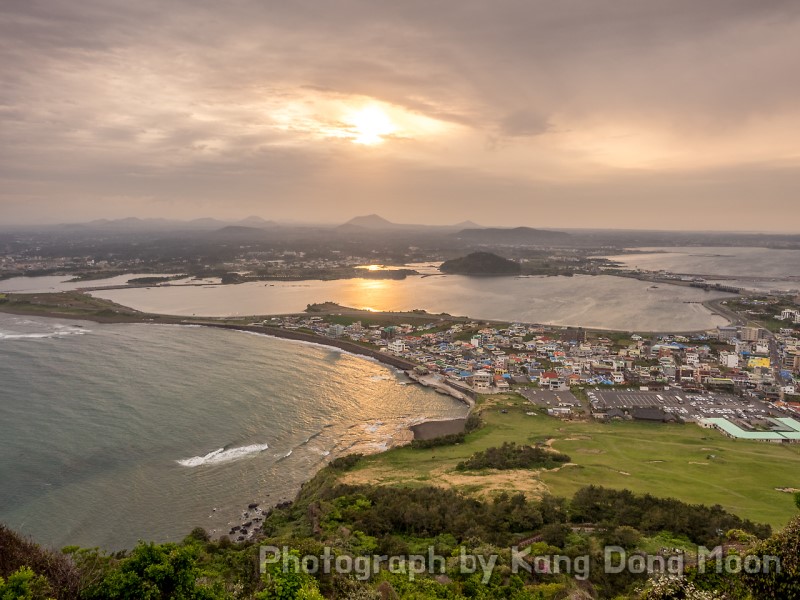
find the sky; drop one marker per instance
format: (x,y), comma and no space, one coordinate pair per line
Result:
(648,114)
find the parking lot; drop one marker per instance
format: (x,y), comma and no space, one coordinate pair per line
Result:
(548,399)
(687,406)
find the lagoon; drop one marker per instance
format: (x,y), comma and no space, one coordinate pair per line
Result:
(602,302)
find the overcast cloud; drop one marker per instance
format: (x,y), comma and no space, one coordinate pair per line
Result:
(592,113)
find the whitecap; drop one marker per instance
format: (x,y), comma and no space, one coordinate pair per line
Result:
(24,336)
(222,455)
(320,451)
(62,331)
(284,456)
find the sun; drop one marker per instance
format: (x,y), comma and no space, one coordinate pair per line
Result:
(370,125)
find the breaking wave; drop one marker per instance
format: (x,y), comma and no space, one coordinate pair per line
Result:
(50,331)
(285,456)
(222,455)
(42,336)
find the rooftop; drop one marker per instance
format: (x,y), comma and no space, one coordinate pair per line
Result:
(735,431)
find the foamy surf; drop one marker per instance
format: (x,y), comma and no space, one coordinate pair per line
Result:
(222,455)
(60,332)
(285,456)
(308,439)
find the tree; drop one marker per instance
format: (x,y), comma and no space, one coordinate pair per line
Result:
(24,584)
(19,557)
(797,500)
(153,572)
(290,583)
(624,536)
(779,581)
(556,534)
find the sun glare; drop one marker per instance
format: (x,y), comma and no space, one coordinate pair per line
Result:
(370,125)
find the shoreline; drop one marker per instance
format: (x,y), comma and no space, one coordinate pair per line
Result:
(253,510)
(131,315)
(427,429)
(406,366)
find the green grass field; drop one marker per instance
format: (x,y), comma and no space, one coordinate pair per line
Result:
(663,460)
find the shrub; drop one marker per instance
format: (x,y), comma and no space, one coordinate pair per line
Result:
(443,440)
(345,463)
(511,456)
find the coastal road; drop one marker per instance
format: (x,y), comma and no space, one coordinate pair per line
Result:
(722,310)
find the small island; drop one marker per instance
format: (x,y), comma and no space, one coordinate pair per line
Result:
(481,263)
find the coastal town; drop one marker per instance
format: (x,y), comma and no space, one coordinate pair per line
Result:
(741,380)
(399,300)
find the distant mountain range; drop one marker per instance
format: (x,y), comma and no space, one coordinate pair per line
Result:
(135,224)
(515,236)
(358,224)
(377,223)
(255,227)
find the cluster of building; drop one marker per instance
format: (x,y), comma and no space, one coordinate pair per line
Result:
(492,359)
(288,263)
(33,264)
(736,379)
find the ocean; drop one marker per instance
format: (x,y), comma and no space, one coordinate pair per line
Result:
(114,433)
(739,262)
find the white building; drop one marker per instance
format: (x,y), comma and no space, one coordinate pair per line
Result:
(729,360)
(336,330)
(791,314)
(481,380)
(398,346)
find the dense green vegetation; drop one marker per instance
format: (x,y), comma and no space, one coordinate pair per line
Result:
(511,456)
(480,263)
(154,280)
(443,440)
(437,525)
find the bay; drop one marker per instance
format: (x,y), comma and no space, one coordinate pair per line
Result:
(114,433)
(602,302)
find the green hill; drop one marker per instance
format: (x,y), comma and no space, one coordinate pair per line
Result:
(480,263)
